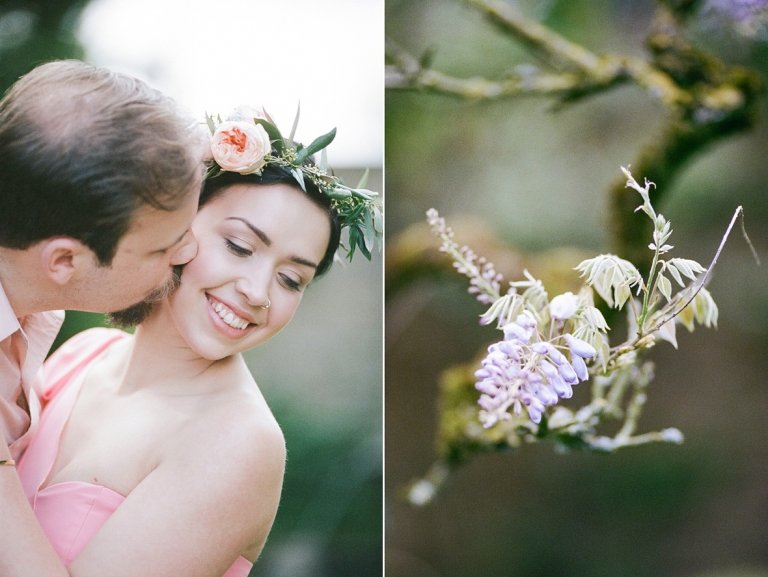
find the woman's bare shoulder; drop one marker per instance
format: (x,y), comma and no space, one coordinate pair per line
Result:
(252,432)
(232,456)
(237,427)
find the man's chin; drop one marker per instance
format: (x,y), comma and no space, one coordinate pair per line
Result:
(132,315)
(138,312)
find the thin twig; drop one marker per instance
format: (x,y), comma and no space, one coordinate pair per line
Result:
(705,278)
(556,48)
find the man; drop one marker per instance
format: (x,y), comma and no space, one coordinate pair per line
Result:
(99,183)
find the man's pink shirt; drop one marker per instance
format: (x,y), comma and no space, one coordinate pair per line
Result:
(24,344)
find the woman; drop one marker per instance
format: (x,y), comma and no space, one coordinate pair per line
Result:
(157,454)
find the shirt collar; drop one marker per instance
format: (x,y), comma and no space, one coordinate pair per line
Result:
(9,324)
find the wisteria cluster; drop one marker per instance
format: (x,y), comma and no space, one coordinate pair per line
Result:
(551,345)
(546,345)
(525,371)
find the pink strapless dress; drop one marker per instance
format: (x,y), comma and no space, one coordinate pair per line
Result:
(72,512)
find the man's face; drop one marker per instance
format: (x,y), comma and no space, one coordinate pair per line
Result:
(156,241)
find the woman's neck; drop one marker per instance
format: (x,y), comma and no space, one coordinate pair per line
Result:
(160,358)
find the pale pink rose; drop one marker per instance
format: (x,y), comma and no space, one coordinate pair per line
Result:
(239,146)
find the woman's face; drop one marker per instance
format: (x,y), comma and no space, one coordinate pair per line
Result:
(257,245)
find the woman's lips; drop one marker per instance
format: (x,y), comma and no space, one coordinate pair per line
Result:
(232,323)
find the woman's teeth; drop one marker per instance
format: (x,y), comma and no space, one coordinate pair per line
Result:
(229,317)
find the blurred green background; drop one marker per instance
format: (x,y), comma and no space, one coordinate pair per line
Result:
(322,375)
(519,172)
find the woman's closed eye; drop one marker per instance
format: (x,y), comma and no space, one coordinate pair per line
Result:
(291,283)
(237,249)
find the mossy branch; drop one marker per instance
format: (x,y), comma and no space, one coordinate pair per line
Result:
(705,100)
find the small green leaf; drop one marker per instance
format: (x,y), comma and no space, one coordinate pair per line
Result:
(364,193)
(665,287)
(291,138)
(667,333)
(353,242)
(688,267)
(621,295)
(686,318)
(211,124)
(675,273)
(369,233)
(361,243)
(274,134)
(269,118)
(299,176)
(378,220)
(321,142)
(212,171)
(340,192)
(363,179)
(500,309)
(595,318)
(705,309)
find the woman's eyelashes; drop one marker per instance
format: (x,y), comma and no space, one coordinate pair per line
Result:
(290,283)
(236,249)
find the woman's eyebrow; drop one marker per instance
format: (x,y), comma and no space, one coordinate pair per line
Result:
(268,241)
(257,231)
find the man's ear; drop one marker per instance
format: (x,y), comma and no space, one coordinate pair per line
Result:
(61,256)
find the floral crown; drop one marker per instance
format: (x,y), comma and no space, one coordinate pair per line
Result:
(248,140)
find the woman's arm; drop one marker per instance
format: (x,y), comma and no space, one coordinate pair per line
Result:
(24,548)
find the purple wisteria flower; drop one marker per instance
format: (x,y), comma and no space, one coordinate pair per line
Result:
(748,18)
(523,371)
(484,281)
(739,10)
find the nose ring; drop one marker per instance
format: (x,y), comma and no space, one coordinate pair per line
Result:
(266,306)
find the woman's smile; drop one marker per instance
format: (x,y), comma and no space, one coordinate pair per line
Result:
(231,323)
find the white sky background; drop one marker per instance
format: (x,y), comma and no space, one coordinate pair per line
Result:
(214,55)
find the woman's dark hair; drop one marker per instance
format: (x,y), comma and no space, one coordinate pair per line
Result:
(273,174)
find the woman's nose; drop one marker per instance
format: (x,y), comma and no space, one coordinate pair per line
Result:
(187,250)
(255,290)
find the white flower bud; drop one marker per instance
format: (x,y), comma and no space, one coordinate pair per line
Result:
(563,306)
(672,435)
